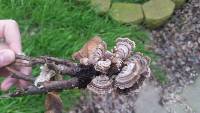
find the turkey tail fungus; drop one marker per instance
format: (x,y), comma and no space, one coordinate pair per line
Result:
(99,70)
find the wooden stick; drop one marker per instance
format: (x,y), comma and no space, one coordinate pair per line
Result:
(48,87)
(19,75)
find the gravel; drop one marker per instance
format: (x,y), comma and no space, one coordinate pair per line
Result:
(110,103)
(178,45)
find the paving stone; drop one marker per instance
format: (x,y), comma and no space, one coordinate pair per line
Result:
(148,100)
(191,95)
(101,6)
(157,12)
(127,13)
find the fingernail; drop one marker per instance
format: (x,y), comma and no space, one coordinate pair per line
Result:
(6,57)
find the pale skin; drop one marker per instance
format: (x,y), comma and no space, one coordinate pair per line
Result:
(9,31)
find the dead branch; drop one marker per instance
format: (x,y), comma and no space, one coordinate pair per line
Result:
(100,70)
(47,87)
(59,65)
(42,60)
(19,75)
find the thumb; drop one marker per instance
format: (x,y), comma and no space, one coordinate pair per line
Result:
(7,56)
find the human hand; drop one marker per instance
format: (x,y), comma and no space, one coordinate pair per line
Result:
(10,45)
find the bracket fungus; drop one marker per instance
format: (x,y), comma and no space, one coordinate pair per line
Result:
(99,70)
(102,66)
(128,76)
(130,66)
(100,85)
(122,51)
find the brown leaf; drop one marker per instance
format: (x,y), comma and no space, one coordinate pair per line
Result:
(88,48)
(53,103)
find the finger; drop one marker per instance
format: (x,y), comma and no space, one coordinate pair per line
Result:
(10,31)
(26,71)
(3,46)
(4,72)
(7,83)
(6,57)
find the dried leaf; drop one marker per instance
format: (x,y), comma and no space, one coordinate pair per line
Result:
(88,48)
(53,103)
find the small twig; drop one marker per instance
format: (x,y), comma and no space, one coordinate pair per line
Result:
(19,75)
(82,75)
(43,60)
(48,87)
(99,70)
(58,60)
(59,65)
(22,64)
(62,84)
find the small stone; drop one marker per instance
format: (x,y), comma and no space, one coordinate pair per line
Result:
(187,68)
(127,13)
(101,6)
(157,12)
(172,49)
(178,75)
(190,44)
(199,40)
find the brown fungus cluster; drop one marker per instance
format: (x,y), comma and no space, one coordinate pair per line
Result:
(120,68)
(100,70)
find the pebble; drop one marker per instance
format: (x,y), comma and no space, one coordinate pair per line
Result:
(182,33)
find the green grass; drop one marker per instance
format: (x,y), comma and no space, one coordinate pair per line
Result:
(59,28)
(159,73)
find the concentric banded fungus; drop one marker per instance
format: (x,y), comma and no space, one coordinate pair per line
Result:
(100,85)
(97,53)
(128,76)
(142,61)
(122,50)
(146,73)
(103,66)
(108,55)
(118,62)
